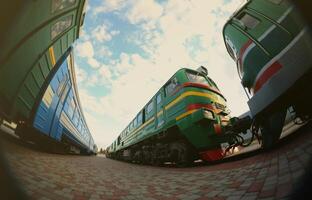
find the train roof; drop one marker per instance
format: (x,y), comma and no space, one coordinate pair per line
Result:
(73,79)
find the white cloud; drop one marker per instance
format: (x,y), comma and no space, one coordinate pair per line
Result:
(104,52)
(102,33)
(83,35)
(81,74)
(114,32)
(144,10)
(85,49)
(93,63)
(105,72)
(110,5)
(124,64)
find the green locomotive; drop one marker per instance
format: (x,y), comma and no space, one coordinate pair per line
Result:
(34,36)
(185,120)
(272,47)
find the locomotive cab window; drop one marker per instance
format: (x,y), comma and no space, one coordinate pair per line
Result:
(60,26)
(230,51)
(247,20)
(171,86)
(231,48)
(213,83)
(196,77)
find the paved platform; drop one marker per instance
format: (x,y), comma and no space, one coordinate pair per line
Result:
(270,175)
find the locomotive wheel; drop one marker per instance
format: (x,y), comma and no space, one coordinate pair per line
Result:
(271,129)
(181,154)
(155,159)
(146,156)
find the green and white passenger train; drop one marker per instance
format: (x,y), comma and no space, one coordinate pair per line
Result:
(184,121)
(272,47)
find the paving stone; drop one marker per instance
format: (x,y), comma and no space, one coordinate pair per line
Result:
(267,175)
(234,197)
(213,193)
(267,193)
(256,186)
(283,190)
(250,196)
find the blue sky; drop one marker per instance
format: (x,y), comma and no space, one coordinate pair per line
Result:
(129,48)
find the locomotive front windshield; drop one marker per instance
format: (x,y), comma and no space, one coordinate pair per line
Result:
(196,77)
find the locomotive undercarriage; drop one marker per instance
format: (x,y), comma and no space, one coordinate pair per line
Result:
(271,120)
(169,146)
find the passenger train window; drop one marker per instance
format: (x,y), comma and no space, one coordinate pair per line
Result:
(248,20)
(76,118)
(61,86)
(171,86)
(135,122)
(48,96)
(139,118)
(78,125)
(61,4)
(158,98)
(149,107)
(61,26)
(64,94)
(72,107)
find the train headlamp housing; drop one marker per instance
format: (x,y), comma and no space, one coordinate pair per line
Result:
(208,114)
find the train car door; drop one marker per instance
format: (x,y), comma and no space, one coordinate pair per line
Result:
(160,120)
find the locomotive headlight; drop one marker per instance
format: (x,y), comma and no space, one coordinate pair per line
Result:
(208,114)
